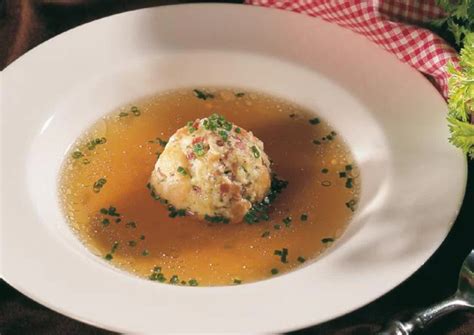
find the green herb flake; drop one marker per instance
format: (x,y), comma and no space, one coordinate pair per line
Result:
(198,149)
(224,135)
(123,114)
(108,257)
(99,184)
(317,142)
(202,94)
(142,237)
(301,259)
(104,211)
(255,151)
(342,174)
(348,167)
(237,130)
(314,121)
(191,127)
(95,142)
(159,141)
(274,271)
(237,281)
(77,154)
(283,254)
(118,220)
(277,227)
(157,275)
(265,234)
(287,221)
(193,282)
(181,170)
(239,94)
(132,243)
(327,240)
(174,280)
(324,170)
(304,217)
(135,111)
(351,204)
(349,183)
(105,222)
(145,252)
(85,161)
(216,219)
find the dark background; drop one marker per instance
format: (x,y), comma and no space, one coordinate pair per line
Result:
(26,23)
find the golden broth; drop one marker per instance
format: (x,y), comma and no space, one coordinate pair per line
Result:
(139,235)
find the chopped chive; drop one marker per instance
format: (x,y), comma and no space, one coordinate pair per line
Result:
(112,211)
(239,94)
(182,170)
(216,219)
(237,281)
(237,130)
(349,183)
(157,275)
(99,184)
(342,174)
(108,257)
(123,114)
(304,217)
(77,154)
(324,170)
(301,259)
(283,253)
(266,234)
(348,167)
(255,151)
(85,161)
(202,95)
(135,111)
(193,282)
(287,221)
(198,149)
(327,240)
(277,227)
(183,282)
(142,237)
(132,243)
(317,142)
(145,252)
(104,211)
(314,121)
(224,135)
(105,222)
(351,204)
(174,279)
(274,271)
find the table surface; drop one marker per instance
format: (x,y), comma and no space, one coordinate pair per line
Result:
(26,23)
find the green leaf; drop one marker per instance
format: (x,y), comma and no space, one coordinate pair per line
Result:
(462,135)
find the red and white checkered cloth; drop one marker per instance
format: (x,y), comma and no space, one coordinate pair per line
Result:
(392,24)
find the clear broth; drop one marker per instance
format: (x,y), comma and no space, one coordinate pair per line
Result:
(323,185)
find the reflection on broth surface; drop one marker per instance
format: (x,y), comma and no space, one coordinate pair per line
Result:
(103,190)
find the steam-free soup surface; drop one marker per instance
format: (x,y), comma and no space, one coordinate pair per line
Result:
(103,190)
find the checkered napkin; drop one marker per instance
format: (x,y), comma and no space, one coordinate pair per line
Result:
(392,24)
